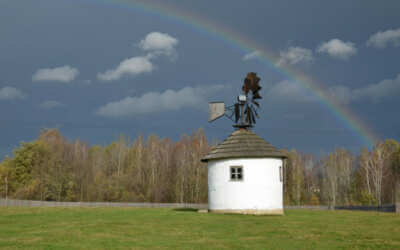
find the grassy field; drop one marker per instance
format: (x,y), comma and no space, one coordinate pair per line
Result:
(132,228)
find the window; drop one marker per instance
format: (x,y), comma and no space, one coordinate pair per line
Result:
(237,173)
(280,174)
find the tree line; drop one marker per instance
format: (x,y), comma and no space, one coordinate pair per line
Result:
(157,169)
(342,178)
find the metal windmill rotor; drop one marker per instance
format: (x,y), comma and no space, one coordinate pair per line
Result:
(244,111)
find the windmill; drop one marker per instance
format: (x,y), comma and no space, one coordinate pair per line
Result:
(245,172)
(244,112)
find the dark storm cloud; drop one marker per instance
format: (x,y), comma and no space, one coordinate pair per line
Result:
(65,60)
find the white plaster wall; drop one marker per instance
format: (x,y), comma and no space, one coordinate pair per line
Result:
(261,187)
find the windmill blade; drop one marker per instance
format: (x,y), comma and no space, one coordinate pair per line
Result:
(255,112)
(252,113)
(255,103)
(250,116)
(253,117)
(246,86)
(256,95)
(251,84)
(249,119)
(237,112)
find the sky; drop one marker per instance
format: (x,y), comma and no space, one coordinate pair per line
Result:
(96,69)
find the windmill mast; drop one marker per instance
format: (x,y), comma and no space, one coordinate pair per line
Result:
(239,109)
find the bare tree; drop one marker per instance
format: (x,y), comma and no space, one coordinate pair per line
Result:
(338,167)
(376,167)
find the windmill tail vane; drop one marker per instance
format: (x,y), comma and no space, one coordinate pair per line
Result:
(244,112)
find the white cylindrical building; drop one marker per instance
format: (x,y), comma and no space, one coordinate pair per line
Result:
(245,175)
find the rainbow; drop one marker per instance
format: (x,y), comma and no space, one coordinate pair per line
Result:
(267,56)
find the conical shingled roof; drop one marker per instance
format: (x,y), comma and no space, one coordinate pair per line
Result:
(243,143)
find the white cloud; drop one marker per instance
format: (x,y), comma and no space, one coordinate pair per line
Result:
(292,92)
(132,66)
(341,94)
(11,93)
(60,74)
(288,91)
(295,55)
(338,49)
(378,91)
(374,92)
(51,104)
(159,43)
(152,102)
(252,55)
(155,43)
(382,38)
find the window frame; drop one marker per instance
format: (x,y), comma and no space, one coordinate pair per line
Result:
(234,171)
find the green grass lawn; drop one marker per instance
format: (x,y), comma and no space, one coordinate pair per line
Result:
(134,228)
